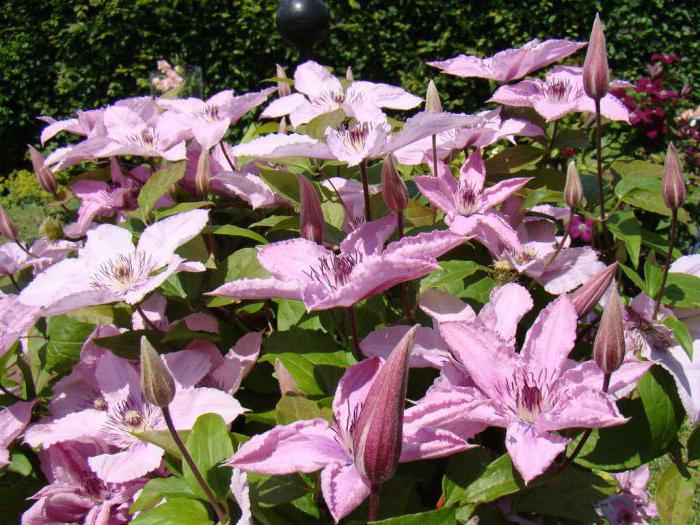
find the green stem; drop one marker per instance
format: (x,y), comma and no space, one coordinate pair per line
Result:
(560,245)
(146,320)
(669,256)
(14,281)
(352,320)
(10,394)
(365,190)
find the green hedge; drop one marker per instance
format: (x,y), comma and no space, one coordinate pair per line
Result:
(60,55)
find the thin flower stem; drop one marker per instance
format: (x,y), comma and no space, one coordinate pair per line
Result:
(146,320)
(228,159)
(560,245)
(353,330)
(435,174)
(24,249)
(268,316)
(374,503)
(190,462)
(26,371)
(365,190)
(14,281)
(10,394)
(599,160)
(669,256)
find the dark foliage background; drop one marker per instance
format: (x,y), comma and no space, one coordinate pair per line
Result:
(60,55)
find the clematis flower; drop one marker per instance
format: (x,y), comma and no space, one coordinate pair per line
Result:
(510,64)
(74,493)
(316,444)
(15,320)
(351,196)
(13,420)
(110,406)
(560,93)
(109,268)
(468,205)
(14,259)
(632,503)
(305,271)
(581,228)
(538,391)
(85,123)
(320,92)
(209,120)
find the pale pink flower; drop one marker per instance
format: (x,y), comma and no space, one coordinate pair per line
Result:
(351,196)
(13,420)
(14,259)
(510,64)
(632,504)
(15,320)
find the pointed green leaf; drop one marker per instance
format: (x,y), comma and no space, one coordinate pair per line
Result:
(157,185)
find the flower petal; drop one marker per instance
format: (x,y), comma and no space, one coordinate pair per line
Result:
(531,451)
(344,489)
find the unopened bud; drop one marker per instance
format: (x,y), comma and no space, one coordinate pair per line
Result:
(44,175)
(586,297)
(202,179)
(674,185)
(609,344)
(282,128)
(51,229)
(311,220)
(156,382)
(596,76)
(283,88)
(378,432)
(432,99)
(573,190)
(8,228)
(393,188)
(348,75)
(288,384)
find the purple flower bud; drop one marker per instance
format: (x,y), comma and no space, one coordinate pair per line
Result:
(596,76)
(674,185)
(311,221)
(348,75)
(587,296)
(202,178)
(432,99)
(44,175)
(609,344)
(393,188)
(283,88)
(378,432)
(288,384)
(8,228)
(573,190)
(156,382)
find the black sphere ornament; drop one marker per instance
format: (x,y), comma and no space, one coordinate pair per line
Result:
(303,23)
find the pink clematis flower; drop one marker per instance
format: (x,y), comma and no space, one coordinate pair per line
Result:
(14,259)
(581,228)
(74,493)
(15,320)
(108,405)
(305,271)
(320,92)
(311,445)
(538,391)
(510,64)
(632,503)
(13,420)
(351,196)
(109,268)
(560,93)
(85,123)
(209,120)
(468,205)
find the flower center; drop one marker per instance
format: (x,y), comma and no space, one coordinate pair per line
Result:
(122,273)
(209,113)
(467,199)
(146,138)
(127,417)
(334,270)
(527,255)
(527,397)
(330,99)
(559,91)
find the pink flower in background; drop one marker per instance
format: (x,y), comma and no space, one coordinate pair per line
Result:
(74,493)
(13,420)
(171,80)
(510,64)
(581,228)
(110,268)
(560,93)
(15,320)
(632,504)
(320,92)
(305,271)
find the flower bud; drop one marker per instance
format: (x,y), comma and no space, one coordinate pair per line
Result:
(393,188)
(609,344)
(348,75)
(288,384)
(51,229)
(596,76)
(156,382)
(378,432)
(202,179)
(8,228)
(573,190)
(587,296)
(283,88)
(674,185)
(432,99)
(311,220)
(44,175)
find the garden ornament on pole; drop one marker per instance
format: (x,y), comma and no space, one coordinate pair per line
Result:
(303,23)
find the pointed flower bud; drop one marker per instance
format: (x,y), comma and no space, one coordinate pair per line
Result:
(348,75)
(587,296)
(378,432)
(674,185)
(311,220)
(8,228)
(283,88)
(44,175)
(393,188)
(573,190)
(156,382)
(609,344)
(202,179)
(432,99)
(596,76)
(288,384)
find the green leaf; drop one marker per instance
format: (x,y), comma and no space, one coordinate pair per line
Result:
(450,276)
(693,445)
(126,344)
(512,159)
(297,408)
(164,440)
(274,490)
(681,333)
(157,186)
(627,228)
(498,479)
(157,489)
(316,128)
(662,406)
(674,497)
(283,183)
(634,277)
(652,277)
(181,207)
(180,332)
(444,516)
(637,168)
(177,510)
(235,231)
(645,193)
(682,290)
(209,444)
(66,337)
(571,138)
(463,469)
